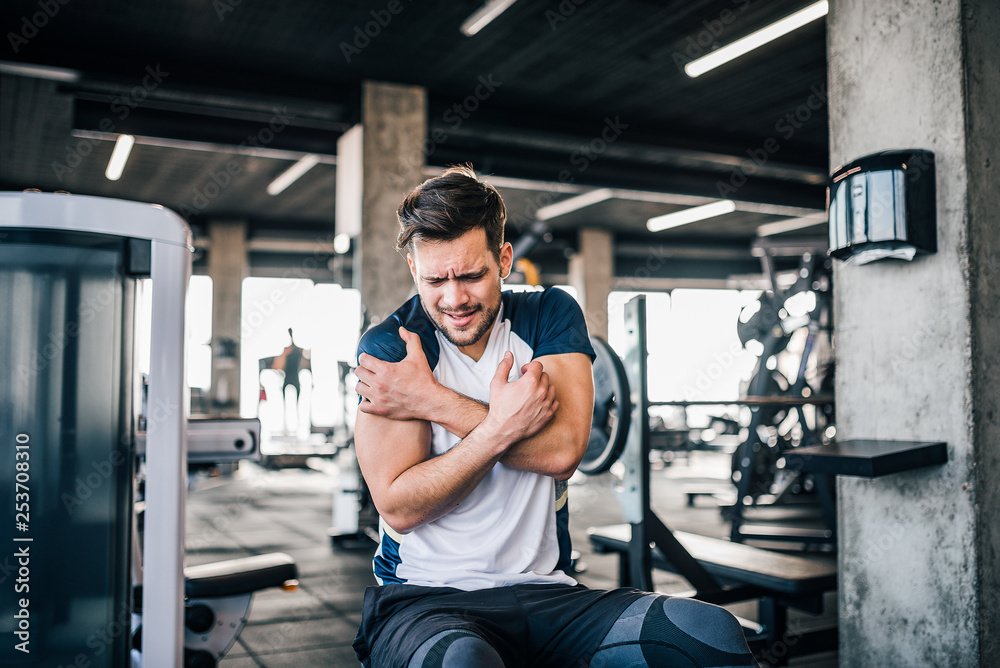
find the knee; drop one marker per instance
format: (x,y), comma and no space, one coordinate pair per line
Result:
(662,631)
(456,649)
(709,624)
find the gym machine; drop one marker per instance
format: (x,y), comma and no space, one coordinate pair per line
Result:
(779,422)
(719,570)
(93,469)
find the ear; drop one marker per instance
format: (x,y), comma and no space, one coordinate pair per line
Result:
(506,259)
(413,266)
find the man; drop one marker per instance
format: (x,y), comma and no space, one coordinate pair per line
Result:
(292,358)
(476,407)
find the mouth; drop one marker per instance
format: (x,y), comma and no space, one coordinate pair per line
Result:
(460,319)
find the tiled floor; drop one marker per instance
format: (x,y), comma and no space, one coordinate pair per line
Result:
(257,510)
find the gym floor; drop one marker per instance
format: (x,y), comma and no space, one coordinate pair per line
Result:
(256,510)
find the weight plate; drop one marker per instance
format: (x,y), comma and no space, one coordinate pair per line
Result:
(612,410)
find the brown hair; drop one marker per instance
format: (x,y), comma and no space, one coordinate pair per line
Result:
(447,206)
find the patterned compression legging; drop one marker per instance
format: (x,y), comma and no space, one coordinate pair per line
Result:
(656,631)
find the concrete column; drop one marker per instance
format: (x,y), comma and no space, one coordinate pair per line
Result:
(917,343)
(591,272)
(386,154)
(228,265)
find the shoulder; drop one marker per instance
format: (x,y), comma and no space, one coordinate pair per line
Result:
(383,340)
(552,301)
(559,301)
(551,321)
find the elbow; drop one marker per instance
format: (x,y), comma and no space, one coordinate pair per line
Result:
(565,474)
(563,466)
(398,517)
(401,523)
(554,465)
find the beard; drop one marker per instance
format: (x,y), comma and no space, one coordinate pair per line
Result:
(465,336)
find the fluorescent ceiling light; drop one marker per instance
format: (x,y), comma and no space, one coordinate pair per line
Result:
(484,15)
(574,204)
(292,174)
(39,71)
(754,40)
(116,165)
(692,215)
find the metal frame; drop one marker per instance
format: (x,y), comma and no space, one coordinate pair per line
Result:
(633,493)
(166,457)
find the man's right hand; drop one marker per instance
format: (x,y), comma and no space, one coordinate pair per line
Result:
(402,390)
(520,409)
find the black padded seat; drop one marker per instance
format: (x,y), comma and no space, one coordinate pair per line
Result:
(239,576)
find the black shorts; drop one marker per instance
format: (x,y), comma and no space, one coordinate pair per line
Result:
(528,625)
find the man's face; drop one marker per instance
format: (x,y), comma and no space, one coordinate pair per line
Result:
(459,285)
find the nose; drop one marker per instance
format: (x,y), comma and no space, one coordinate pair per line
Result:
(455,296)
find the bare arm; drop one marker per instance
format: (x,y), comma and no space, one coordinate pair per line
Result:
(556,450)
(410,487)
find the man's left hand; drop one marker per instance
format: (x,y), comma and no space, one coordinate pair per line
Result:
(397,390)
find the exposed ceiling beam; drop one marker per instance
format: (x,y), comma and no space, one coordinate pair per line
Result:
(207,147)
(796,198)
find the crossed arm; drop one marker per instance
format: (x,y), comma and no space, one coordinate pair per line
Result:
(524,426)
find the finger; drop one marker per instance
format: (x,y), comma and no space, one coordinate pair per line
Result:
(367,361)
(533,369)
(412,340)
(364,374)
(546,395)
(503,369)
(362,389)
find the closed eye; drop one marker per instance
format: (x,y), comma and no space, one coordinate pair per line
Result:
(468,278)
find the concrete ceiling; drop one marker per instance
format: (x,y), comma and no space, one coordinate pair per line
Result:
(197,83)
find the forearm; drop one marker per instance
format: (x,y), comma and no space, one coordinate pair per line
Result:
(544,453)
(436,486)
(552,451)
(456,412)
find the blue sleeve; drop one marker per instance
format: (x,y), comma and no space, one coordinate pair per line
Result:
(383,342)
(561,326)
